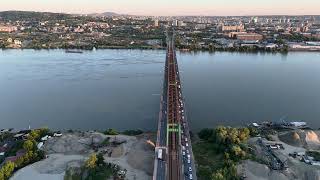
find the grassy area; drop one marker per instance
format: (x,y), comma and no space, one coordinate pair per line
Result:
(208,159)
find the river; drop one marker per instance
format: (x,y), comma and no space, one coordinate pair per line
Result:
(121,88)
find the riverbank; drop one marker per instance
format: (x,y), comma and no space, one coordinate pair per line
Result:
(249,49)
(225,151)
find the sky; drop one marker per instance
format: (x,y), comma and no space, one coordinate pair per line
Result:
(169,7)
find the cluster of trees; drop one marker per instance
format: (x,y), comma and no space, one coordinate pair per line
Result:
(213,48)
(231,142)
(32,154)
(31,16)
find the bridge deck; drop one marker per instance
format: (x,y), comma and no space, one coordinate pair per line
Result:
(173,132)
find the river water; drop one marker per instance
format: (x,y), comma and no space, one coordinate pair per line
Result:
(121,88)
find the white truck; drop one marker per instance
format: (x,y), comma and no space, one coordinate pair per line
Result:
(160,154)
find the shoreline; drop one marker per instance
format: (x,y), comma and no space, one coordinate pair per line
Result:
(179,50)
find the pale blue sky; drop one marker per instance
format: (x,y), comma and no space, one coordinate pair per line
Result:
(169,7)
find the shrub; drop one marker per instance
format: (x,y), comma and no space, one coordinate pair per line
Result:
(132,132)
(111,132)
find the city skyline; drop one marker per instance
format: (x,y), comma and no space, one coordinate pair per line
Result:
(169,8)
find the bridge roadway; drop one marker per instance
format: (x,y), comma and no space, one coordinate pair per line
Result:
(173,138)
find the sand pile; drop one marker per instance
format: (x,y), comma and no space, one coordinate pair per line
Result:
(311,136)
(291,138)
(296,136)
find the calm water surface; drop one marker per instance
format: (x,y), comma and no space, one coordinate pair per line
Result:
(120,88)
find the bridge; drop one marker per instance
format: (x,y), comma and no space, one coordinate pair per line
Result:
(174,158)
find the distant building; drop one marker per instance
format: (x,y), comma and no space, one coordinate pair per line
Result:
(181,23)
(235,34)
(17,42)
(237,28)
(201,26)
(8,29)
(156,23)
(9,40)
(175,23)
(249,37)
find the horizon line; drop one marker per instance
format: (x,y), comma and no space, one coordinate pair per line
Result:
(128,14)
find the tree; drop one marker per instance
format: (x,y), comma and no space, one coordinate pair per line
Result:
(28,157)
(44,131)
(34,135)
(238,153)
(253,131)
(28,145)
(221,133)
(244,134)
(100,160)
(1,175)
(218,175)
(7,169)
(92,161)
(233,136)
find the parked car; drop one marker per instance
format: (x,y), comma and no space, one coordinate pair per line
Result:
(57,134)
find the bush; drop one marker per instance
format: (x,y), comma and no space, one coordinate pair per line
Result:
(132,132)
(28,145)
(111,132)
(91,163)
(7,170)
